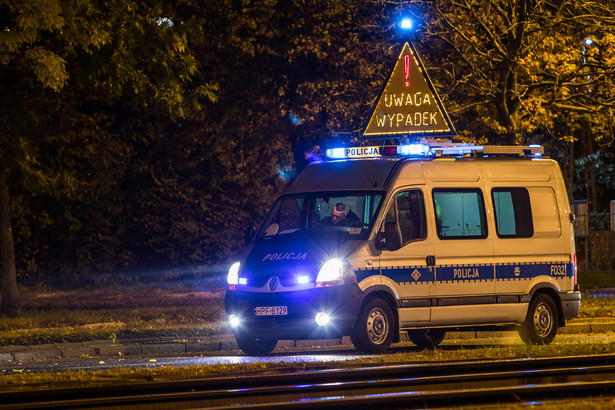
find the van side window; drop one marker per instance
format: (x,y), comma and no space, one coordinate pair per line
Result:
(409,210)
(411,215)
(546,216)
(513,212)
(460,213)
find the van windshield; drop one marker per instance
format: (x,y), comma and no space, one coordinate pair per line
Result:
(341,211)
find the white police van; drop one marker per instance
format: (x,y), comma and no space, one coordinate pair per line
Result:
(415,238)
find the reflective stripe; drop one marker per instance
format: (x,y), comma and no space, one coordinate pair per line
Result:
(470,273)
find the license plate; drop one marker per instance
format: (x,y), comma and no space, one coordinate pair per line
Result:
(271,310)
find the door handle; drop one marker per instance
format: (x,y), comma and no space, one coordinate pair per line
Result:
(430,260)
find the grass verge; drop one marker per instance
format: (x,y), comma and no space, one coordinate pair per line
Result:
(78,316)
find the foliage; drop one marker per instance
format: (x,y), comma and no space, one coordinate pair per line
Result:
(597,307)
(517,68)
(148,135)
(72,74)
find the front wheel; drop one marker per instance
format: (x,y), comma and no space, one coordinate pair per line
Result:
(427,338)
(374,330)
(540,326)
(253,345)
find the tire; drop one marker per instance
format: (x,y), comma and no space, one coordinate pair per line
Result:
(375,328)
(253,345)
(427,338)
(540,326)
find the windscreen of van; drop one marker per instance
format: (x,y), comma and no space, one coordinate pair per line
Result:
(351,212)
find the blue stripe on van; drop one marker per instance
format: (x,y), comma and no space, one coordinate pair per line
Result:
(471,273)
(530,270)
(412,274)
(365,273)
(464,273)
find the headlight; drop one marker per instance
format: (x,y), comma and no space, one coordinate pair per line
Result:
(234,321)
(233,276)
(334,272)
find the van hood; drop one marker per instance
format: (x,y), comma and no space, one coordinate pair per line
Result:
(294,255)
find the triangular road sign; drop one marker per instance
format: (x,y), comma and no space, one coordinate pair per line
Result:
(409,103)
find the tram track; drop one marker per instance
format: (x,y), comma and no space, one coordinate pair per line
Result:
(391,385)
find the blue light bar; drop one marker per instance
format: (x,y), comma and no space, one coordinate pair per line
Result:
(336,153)
(413,150)
(431,150)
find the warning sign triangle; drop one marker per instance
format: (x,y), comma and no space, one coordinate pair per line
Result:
(409,103)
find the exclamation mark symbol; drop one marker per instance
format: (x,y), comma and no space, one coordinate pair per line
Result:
(407,69)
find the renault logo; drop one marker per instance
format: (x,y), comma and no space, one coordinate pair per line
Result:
(273,283)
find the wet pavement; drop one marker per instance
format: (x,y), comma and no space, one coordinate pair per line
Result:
(222,349)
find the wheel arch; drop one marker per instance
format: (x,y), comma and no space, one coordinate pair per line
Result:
(553,292)
(386,294)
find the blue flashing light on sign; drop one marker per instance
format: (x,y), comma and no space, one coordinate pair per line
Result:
(336,153)
(418,150)
(406,24)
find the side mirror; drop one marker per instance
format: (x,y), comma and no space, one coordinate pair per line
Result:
(392,235)
(249,234)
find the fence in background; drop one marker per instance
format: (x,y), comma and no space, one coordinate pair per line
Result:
(595,237)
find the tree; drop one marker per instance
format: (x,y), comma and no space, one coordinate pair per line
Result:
(515,67)
(288,73)
(70,70)
(21,56)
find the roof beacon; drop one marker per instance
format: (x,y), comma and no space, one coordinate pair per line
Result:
(439,149)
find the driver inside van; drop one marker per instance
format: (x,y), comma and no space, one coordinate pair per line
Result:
(337,218)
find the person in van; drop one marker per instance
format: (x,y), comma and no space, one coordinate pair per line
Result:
(337,218)
(340,216)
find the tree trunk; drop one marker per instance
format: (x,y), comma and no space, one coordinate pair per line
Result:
(10,296)
(506,106)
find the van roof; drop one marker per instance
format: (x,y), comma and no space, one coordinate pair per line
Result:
(361,175)
(375,174)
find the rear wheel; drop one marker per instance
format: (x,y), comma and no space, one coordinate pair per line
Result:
(375,328)
(540,326)
(427,338)
(254,345)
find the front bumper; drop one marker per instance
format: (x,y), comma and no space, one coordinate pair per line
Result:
(342,303)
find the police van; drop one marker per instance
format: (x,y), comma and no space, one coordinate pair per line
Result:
(412,238)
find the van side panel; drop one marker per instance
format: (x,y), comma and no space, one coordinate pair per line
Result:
(487,279)
(464,267)
(466,315)
(521,263)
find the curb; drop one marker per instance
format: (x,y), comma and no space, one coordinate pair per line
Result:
(226,343)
